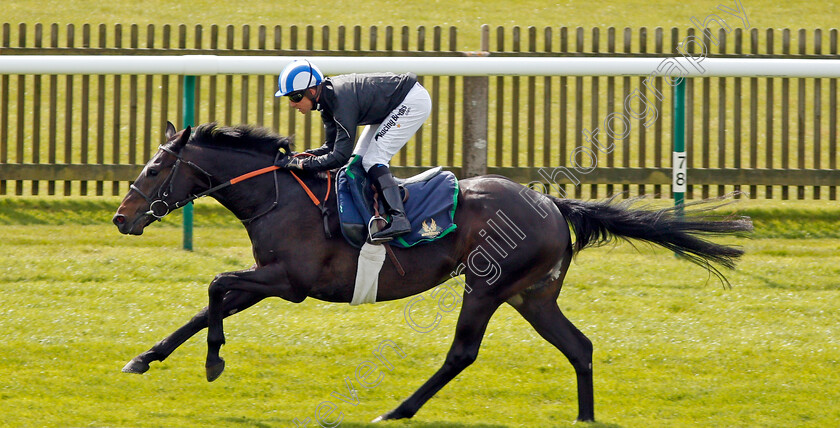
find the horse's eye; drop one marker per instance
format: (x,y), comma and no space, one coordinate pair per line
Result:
(152,172)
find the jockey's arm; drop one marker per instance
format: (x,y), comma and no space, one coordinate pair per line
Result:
(336,150)
(326,148)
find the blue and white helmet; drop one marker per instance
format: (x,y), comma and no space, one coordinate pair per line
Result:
(297,76)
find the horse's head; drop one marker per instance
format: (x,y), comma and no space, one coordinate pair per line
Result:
(168,179)
(173,177)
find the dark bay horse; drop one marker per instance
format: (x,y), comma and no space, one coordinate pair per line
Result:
(513,245)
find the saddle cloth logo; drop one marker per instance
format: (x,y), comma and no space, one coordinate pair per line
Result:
(430,230)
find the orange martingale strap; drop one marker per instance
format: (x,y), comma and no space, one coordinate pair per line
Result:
(320,204)
(306,188)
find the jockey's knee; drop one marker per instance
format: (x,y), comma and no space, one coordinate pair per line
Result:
(368,165)
(375,169)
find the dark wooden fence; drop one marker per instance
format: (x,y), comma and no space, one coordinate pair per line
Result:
(774,138)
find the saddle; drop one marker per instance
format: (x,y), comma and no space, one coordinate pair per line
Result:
(430,199)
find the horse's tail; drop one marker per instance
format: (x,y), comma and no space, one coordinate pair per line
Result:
(597,223)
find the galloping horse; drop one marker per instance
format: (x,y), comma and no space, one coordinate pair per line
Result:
(513,245)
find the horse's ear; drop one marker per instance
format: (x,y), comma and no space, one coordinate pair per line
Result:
(170,130)
(182,140)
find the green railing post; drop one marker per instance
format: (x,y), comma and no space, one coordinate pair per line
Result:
(679,172)
(189,119)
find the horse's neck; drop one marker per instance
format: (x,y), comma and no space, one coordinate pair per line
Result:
(246,198)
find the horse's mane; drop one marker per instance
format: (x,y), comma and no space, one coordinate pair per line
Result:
(241,137)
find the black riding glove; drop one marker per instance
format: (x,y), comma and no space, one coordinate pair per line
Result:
(289,162)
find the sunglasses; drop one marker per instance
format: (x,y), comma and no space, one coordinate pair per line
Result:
(296,97)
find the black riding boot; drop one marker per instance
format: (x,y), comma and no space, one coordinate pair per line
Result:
(391,196)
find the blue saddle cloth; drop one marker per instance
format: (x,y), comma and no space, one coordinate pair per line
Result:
(430,207)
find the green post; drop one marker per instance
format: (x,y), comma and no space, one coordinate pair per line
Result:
(679,172)
(189,119)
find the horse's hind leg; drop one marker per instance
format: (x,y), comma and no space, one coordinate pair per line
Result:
(472,322)
(542,312)
(234,301)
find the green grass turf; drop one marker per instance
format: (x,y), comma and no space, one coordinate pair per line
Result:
(672,347)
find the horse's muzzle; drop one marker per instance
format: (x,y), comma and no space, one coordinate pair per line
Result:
(128,228)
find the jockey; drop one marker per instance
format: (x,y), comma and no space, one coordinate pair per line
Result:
(391,106)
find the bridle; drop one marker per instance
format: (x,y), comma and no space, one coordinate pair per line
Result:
(160,203)
(158,207)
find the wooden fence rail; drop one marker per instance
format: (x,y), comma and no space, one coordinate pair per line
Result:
(771,137)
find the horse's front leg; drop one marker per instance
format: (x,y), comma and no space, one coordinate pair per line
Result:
(267,281)
(233,303)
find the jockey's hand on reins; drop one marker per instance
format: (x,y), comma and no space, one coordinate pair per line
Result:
(288,162)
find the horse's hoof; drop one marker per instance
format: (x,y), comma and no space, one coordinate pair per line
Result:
(381,418)
(389,416)
(215,370)
(135,366)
